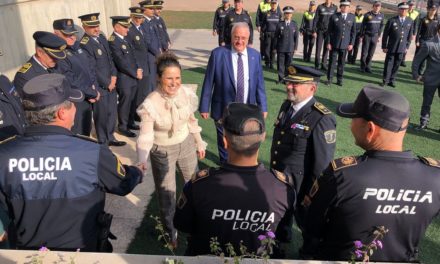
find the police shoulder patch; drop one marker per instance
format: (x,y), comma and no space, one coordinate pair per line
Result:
(344,162)
(111,38)
(330,136)
(430,161)
(282,177)
(25,67)
(84,40)
(8,139)
(200,175)
(321,108)
(86,138)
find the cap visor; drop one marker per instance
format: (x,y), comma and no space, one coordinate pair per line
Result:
(346,110)
(69,32)
(76,96)
(91,23)
(57,55)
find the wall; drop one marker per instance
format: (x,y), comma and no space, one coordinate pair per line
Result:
(19,19)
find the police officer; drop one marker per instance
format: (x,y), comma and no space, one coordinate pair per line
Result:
(307,31)
(137,39)
(320,25)
(415,16)
(304,137)
(48,49)
(161,26)
(129,73)
(427,30)
(219,19)
(342,32)
(55,194)
(359,17)
(377,191)
(237,14)
(76,68)
(396,39)
(430,51)
(12,119)
(371,31)
(240,200)
(286,35)
(98,50)
(268,27)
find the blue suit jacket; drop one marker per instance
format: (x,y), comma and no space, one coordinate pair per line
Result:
(219,87)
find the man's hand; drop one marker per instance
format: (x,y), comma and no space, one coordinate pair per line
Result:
(315,35)
(214,33)
(222,44)
(417,44)
(259,29)
(142,167)
(204,115)
(350,47)
(329,46)
(420,79)
(139,74)
(201,153)
(385,50)
(112,83)
(265,115)
(96,99)
(4,237)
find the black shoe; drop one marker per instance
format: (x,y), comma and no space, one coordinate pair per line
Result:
(116,143)
(403,64)
(382,84)
(328,83)
(361,70)
(133,127)
(271,66)
(127,133)
(368,71)
(323,67)
(391,84)
(339,83)
(421,127)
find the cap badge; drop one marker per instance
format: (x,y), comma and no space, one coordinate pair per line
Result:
(93,18)
(138,10)
(69,23)
(291,70)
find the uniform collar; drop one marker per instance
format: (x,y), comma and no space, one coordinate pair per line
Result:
(118,35)
(234,168)
(390,154)
(47,130)
(39,63)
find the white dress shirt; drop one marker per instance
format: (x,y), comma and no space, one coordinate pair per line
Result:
(300,105)
(245,59)
(120,36)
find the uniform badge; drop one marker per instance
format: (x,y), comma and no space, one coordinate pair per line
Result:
(138,38)
(291,70)
(330,136)
(394,24)
(336,19)
(84,40)
(426,21)
(120,168)
(111,38)
(124,47)
(182,201)
(370,17)
(221,11)
(300,126)
(69,23)
(69,53)
(430,161)
(347,160)
(232,19)
(138,11)
(344,162)
(25,67)
(322,9)
(99,52)
(282,28)
(93,18)
(200,175)
(160,26)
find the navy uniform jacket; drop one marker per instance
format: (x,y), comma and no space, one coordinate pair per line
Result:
(427,29)
(372,24)
(322,17)
(12,119)
(259,16)
(219,19)
(163,32)
(270,21)
(125,61)
(151,36)
(55,192)
(396,37)
(286,37)
(379,188)
(342,32)
(140,46)
(234,204)
(28,71)
(101,59)
(303,146)
(429,51)
(232,18)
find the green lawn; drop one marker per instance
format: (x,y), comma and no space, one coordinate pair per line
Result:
(424,143)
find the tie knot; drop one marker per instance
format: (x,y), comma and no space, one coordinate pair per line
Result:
(240,54)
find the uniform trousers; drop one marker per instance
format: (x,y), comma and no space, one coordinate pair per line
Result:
(163,164)
(309,42)
(352,55)
(423,64)
(369,43)
(283,62)
(105,114)
(392,64)
(152,76)
(222,154)
(142,91)
(83,119)
(321,40)
(126,98)
(269,47)
(336,56)
(428,96)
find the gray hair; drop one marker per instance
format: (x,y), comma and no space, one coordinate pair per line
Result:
(246,145)
(44,116)
(240,25)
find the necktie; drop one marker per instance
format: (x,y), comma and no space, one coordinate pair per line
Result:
(288,114)
(96,39)
(287,23)
(344,16)
(240,80)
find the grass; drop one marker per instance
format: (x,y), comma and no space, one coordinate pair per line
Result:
(425,143)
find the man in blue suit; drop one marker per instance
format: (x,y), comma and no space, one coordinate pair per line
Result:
(233,74)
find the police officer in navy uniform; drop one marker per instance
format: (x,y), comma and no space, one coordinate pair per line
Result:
(137,39)
(286,35)
(342,33)
(268,27)
(161,26)
(49,48)
(237,14)
(55,194)
(304,137)
(98,50)
(359,18)
(320,31)
(306,30)
(381,189)
(415,16)
(12,119)
(77,69)
(371,31)
(240,200)
(129,73)
(396,39)
(219,19)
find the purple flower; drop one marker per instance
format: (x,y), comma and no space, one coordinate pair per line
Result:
(358,244)
(44,249)
(261,237)
(379,244)
(271,234)
(358,253)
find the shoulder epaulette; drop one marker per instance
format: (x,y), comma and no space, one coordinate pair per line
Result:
(8,139)
(344,162)
(430,161)
(84,40)
(283,177)
(25,67)
(200,175)
(111,38)
(85,138)
(321,108)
